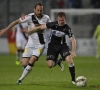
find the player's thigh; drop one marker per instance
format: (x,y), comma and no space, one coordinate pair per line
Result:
(65,51)
(37,51)
(52,53)
(25,61)
(28,52)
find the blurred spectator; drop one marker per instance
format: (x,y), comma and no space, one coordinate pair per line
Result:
(95,3)
(71,3)
(53,4)
(60,3)
(77,4)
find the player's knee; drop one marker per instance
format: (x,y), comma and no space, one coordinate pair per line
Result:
(69,60)
(25,61)
(50,64)
(24,64)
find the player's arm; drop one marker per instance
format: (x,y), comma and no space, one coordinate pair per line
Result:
(41,27)
(73,40)
(13,32)
(9,27)
(37,28)
(20,20)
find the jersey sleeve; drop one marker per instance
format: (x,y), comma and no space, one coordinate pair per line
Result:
(50,25)
(70,33)
(49,20)
(25,18)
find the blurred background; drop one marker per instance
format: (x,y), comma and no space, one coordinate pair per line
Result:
(82,16)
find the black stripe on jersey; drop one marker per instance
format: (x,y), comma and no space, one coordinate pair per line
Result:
(40,33)
(63,40)
(21,27)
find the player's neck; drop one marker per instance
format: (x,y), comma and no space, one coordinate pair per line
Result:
(39,17)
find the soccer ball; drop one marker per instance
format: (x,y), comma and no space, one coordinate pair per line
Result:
(81,81)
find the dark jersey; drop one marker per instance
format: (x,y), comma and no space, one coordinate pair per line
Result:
(59,32)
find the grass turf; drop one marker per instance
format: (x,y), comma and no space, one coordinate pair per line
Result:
(43,78)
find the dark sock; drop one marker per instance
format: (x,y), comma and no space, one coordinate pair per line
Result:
(57,62)
(72,72)
(24,67)
(31,65)
(18,54)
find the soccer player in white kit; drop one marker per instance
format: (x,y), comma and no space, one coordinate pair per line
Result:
(21,39)
(36,41)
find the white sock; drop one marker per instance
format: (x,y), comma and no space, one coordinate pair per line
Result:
(25,72)
(71,65)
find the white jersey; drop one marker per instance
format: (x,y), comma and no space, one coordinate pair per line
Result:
(37,37)
(19,31)
(20,35)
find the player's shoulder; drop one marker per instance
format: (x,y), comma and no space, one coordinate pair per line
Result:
(30,14)
(46,16)
(67,26)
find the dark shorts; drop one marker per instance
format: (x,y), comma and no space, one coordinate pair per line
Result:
(54,50)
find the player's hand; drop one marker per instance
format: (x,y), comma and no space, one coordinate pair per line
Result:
(43,26)
(73,54)
(25,30)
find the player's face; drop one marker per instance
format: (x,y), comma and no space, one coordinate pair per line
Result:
(38,11)
(61,20)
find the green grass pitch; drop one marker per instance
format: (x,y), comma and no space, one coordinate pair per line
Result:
(43,78)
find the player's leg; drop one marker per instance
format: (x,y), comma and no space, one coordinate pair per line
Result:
(53,62)
(71,67)
(98,50)
(59,62)
(25,61)
(18,55)
(52,57)
(27,69)
(36,53)
(26,57)
(18,52)
(65,53)
(23,44)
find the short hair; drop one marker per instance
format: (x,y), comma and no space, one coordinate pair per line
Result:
(61,14)
(40,4)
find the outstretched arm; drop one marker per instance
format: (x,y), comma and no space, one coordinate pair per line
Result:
(9,27)
(37,28)
(13,32)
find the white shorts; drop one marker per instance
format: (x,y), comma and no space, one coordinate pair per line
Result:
(21,43)
(33,51)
